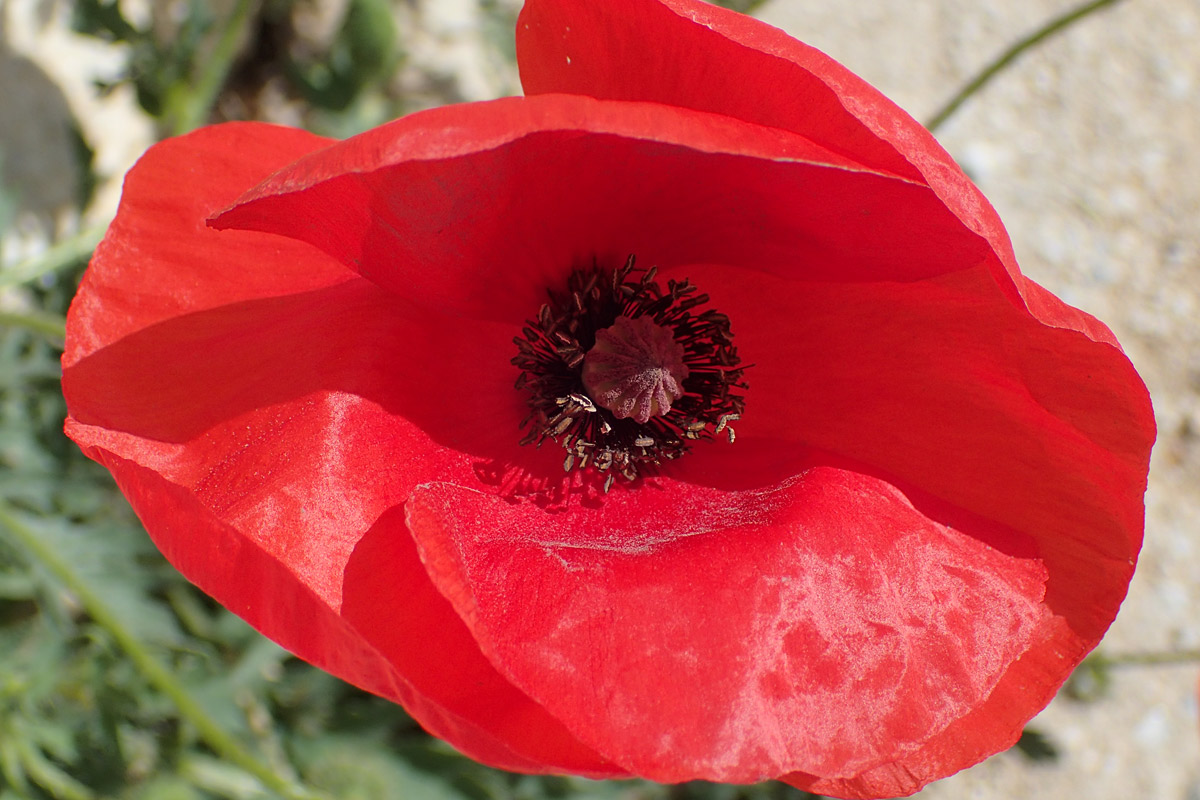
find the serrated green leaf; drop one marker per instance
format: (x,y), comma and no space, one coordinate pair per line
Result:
(53,739)
(217,699)
(48,776)
(106,559)
(351,768)
(167,787)
(10,762)
(259,663)
(221,778)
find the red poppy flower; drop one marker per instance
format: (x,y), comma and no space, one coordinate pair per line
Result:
(296,356)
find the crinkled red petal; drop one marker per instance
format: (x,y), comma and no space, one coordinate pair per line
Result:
(820,624)
(946,386)
(478,209)
(164,207)
(693,54)
(267,412)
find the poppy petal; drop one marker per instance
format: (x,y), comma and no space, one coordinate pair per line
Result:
(239,398)
(693,54)
(822,624)
(400,204)
(945,385)
(391,602)
(167,197)
(996,723)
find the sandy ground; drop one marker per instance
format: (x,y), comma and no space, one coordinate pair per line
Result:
(1087,148)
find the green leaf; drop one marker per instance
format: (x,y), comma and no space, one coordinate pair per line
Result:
(222,778)
(350,768)
(1037,746)
(109,560)
(363,52)
(11,766)
(64,255)
(48,776)
(167,787)
(102,19)
(1091,680)
(16,586)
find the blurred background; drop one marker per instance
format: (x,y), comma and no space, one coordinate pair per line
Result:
(1086,143)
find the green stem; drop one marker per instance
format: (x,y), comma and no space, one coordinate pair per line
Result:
(1010,55)
(159,676)
(50,325)
(197,104)
(66,253)
(1151,659)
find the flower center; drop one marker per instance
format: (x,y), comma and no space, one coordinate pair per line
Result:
(635,369)
(624,375)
